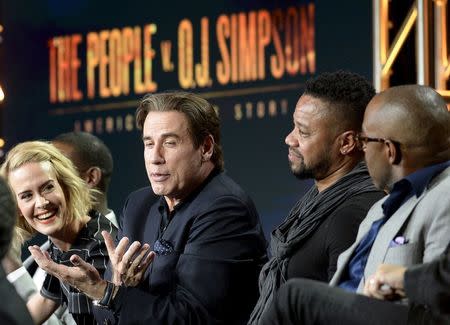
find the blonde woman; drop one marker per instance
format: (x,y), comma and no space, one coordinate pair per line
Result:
(54,201)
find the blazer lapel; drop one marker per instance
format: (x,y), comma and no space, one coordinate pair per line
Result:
(386,235)
(151,232)
(345,256)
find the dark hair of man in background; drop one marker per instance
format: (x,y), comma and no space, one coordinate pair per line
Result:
(89,151)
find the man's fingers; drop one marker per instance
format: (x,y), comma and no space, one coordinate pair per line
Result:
(400,293)
(371,287)
(83,270)
(135,263)
(135,274)
(121,249)
(78,261)
(392,275)
(379,290)
(147,261)
(128,257)
(109,242)
(368,286)
(143,266)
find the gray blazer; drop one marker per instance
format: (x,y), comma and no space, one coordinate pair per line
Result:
(423,221)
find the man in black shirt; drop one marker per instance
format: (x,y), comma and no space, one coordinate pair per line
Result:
(322,146)
(207,243)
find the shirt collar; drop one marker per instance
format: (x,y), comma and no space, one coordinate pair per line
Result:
(163,204)
(111,216)
(420,179)
(413,184)
(400,192)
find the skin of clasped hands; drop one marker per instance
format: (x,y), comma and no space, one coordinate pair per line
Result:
(387,283)
(129,264)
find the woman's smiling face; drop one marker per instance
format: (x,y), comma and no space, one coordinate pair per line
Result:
(40,197)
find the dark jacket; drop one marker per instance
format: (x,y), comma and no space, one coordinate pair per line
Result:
(208,271)
(428,288)
(12,309)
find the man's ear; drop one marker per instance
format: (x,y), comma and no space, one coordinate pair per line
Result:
(347,141)
(394,152)
(207,147)
(92,176)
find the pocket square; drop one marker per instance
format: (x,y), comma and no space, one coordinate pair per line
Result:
(163,247)
(398,241)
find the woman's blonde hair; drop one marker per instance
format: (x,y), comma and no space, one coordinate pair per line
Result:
(79,198)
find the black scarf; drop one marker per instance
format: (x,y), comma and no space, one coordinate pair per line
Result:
(303,220)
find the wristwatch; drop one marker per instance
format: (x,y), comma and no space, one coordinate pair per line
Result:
(108,296)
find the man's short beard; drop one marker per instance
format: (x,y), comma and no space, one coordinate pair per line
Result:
(316,172)
(302,172)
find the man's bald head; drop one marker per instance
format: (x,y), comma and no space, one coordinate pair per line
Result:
(407,128)
(415,116)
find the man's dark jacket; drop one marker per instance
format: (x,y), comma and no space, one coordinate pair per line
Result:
(210,257)
(428,288)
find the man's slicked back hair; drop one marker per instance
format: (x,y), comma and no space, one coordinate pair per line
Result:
(201,116)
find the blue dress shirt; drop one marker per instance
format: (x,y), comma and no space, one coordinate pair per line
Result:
(413,184)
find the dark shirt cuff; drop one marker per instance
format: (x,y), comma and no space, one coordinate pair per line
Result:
(110,315)
(417,283)
(117,301)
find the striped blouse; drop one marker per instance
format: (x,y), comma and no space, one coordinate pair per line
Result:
(90,246)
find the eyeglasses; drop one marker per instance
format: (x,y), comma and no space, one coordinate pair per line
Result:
(362,140)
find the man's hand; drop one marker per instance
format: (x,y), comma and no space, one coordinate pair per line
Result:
(387,283)
(129,265)
(82,276)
